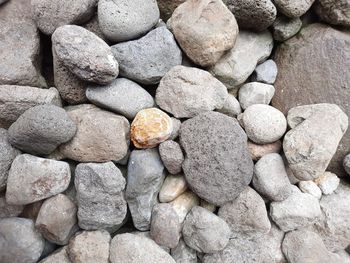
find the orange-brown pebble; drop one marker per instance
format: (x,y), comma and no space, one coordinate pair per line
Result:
(257,151)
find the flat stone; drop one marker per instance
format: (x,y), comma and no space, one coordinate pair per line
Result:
(346,163)
(173,186)
(293,8)
(184,203)
(255,93)
(333,12)
(59,256)
(7,210)
(328,182)
(183,253)
(172,156)
(284,28)
(231,106)
(33,178)
(266,72)
(310,187)
(257,151)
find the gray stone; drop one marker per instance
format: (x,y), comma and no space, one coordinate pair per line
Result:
(131,248)
(3,1)
(217,165)
(183,253)
(266,72)
(310,187)
(93,26)
(15,100)
(59,256)
(50,14)
(100,196)
(172,156)
(41,129)
(7,210)
(122,96)
(346,163)
(284,28)
(334,12)
(85,54)
(19,241)
(184,203)
(148,59)
(293,8)
(231,107)
(256,15)
(147,234)
(57,219)
(176,129)
(173,186)
(32,179)
(145,178)
(125,20)
(328,182)
(255,93)
(186,92)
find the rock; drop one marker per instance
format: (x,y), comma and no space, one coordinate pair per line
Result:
(131,248)
(185,92)
(250,49)
(313,140)
(89,247)
(148,59)
(302,65)
(57,219)
(183,253)
(346,163)
(210,207)
(85,54)
(150,127)
(147,234)
(266,72)
(31,211)
(19,241)
(165,225)
(217,165)
(41,129)
(231,107)
(122,96)
(167,7)
(246,214)
(100,196)
(49,15)
(310,187)
(124,20)
(333,12)
(271,179)
(264,124)
(328,183)
(173,186)
(256,15)
(297,211)
(59,256)
(7,210)
(255,93)
(101,135)
(172,156)
(32,179)
(184,203)
(204,231)
(93,26)
(284,28)
(145,178)
(257,151)
(20,46)
(176,128)
(17,99)
(293,9)
(203,36)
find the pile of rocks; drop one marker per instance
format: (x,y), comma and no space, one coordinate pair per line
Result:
(215,134)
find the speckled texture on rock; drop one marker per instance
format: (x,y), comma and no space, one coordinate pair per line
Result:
(255,93)
(293,8)
(59,256)
(172,156)
(335,12)
(284,28)
(7,210)
(231,106)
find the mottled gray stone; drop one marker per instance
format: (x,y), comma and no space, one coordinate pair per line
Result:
(7,210)
(59,256)
(334,12)
(231,107)
(266,72)
(284,28)
(255,93)
(172,156)
(293,8)
(183,253)
(176,128)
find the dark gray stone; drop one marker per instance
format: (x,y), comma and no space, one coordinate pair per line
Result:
(295,8)
(172,156)
(284,28)
(334,12)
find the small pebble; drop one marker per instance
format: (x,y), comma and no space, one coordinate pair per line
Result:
(172,156)
(231,107)
(255,93)
(284,28)
(173,186)
(311,188)
(266,72)
(328,182)
(184,203)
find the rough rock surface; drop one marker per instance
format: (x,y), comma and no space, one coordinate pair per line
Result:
(231,106)
(284,28)
(59,256)
(172,156)
(293,8)
(173,186)
(7,210)
(257,150)
(183,253)
(255,93)
(334,12)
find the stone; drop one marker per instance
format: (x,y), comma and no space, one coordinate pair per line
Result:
(100,196)
(85,54)
(172,156)
(131,248)
(256,15)
(148,59)
(231,107)
(90,247)
(271,179)
(15,100)
(264,124)
(204,231)
(184,203)
(255,93)
(147,234)
(19,241)
(41,129)
(186,92)
(217,165)
(33,178)
(303,65)
(210,207)
(31,211)
(165,225)
(328,182)
(49,15)
(257,151)
(266,72)
(316,131)
(246,214)
(150,127)
(173,186)
(183,253)
(122,96)
(176,129)
(7,210)
(59,256)
(310,187)
(93,26)
(346,164)
(284,28)
(235,67)
(334,12)
(292,8)
(145,178)
(125,20)
(167,7)
(203,36)
(57,219)
(101,135)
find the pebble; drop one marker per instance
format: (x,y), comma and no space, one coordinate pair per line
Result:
(284,28)
(255,93)
(295,8)
(121,96)
(204,231)
(310,187)
(346,163)
(150,127)
(33,178)
(85,54)
(217,165)
(328,182)
(59,256)
(173,186)
(148,59)
(183,253)
(264,124)
(266,72)
(57,219)
(7,210)
(333,12)
(176,129)
(257,151)
(145,178)
(204,37)
(231,107)
(100,196)
(172,156)
(125,20)
(184,203)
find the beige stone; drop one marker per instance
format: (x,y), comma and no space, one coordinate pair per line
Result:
(184,203)
(328,182)
(60,256)
(173,186)
(257,151)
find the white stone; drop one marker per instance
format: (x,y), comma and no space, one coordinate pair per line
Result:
(255,93)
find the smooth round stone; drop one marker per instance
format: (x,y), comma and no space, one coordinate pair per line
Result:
(173,186)
(255,93)
(231,107)
(264,124)
(124,20)
(310,187)
(266,72)
(293,8)
(328,183)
